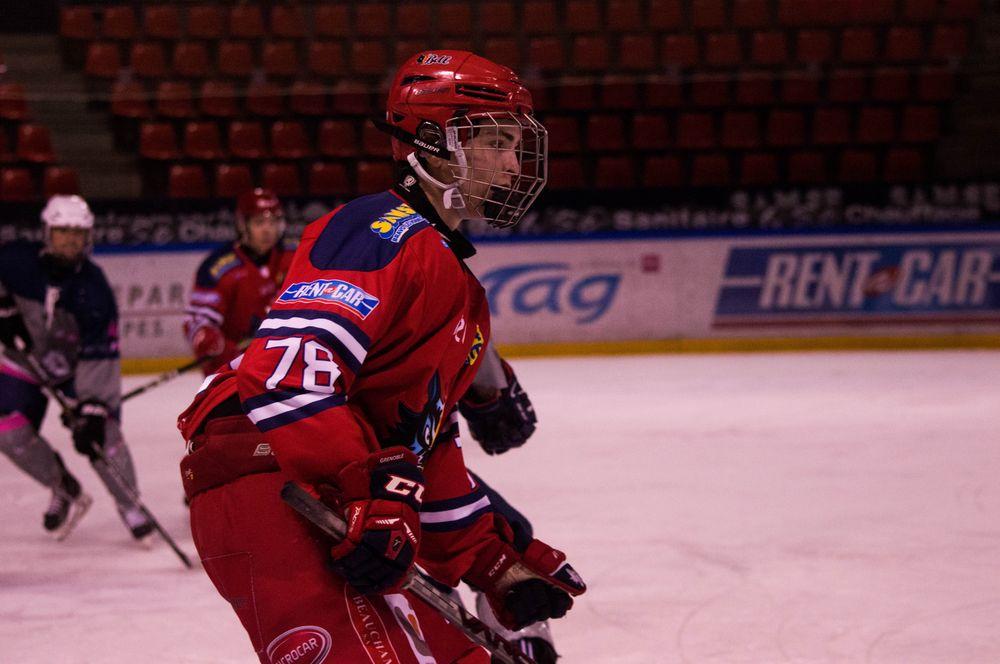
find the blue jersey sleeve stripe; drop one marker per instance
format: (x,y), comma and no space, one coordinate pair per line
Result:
(323,314)
(282,413)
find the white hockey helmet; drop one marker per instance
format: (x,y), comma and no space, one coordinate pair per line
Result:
(67,212)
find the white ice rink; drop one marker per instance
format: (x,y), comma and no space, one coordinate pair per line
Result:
(814,507)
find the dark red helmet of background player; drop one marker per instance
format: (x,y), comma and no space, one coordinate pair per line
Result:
(439,101)
(255,203)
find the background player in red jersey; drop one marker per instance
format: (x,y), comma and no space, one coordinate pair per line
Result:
(350,388)
(235,284)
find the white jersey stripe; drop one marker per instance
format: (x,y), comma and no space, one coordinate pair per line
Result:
(286,406)
(342,334)
(454,514)
(208,313)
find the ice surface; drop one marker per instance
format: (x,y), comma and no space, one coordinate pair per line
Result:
(816,507)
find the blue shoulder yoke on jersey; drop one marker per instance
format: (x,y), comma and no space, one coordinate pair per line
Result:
(217,263)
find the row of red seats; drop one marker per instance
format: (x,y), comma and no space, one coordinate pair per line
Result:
(13,101)
(21,184)
(32,144)
(321,179)
(494,17)
(592,53)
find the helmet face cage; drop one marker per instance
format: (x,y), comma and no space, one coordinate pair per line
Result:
(500,160)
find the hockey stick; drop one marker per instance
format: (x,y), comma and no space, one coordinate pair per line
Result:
(100,459)
(164,377)
(417,582)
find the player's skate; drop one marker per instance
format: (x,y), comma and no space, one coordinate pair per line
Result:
(139,525)
(534,640)
(69,504)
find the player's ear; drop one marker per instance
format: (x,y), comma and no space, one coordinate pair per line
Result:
(438,168)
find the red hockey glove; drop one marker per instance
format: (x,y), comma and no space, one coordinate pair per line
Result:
(380,497)
(501,420)
(524,587)
(208,342)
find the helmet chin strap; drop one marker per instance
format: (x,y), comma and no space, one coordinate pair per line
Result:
(451,196)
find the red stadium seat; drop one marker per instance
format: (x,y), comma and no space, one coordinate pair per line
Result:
(235,59)
(280,59)
(34,144)
(77,22)
(831,126)
(104,60)
(961,9)
(857,166)
(282,179)
(206,22)
(406,48)
(202,140)
(158,141)
(218,99)
(799,13)
(231,180)
(455,18)
(187,181)
(191,60)
(605,132)
(891,84)
(576,96)
(590,53)
(265,99)
(161,22)
(920,11)
(6,155)
(540,17)
(374,142)
(289,140)
(712,170)
(650,132)
(326,59)
(755,89)
(564,133)
(60,180)
(352,98)
(813,46)
(800,88)
(497,17)
(903,165)
(499,49)
(119,23)
(710,90)
(769,48)
(949,42)
(786,128)
(723,49)
(17,185)
(807,168)
(679,51)
(13,103)
(708,14)
(758,168)
(870,11)
(858,45)
(412,19)
(876,125)
(664,93)
(665,14)
(466,43)
(740,129)
(618,94)
(308,99)
(148,60)
(246,21)
(547,53)
(130,100)
(334,21)
(936,84)
(338,138)
(565,173)
(327,179)
(921,124)
(624,15)
(662,171)
(369,58)
(246,140)
(846,86)
(583,16)
(695,131)
(637,52)
(374,176)
(287,22)
(903,44)
(372,20)
(614,173)
(751,13)
(174,100)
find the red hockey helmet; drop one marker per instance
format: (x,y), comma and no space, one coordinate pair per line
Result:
(258,203)
(476,115)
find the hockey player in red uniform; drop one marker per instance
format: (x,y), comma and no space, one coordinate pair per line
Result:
(350,388)
(235,285)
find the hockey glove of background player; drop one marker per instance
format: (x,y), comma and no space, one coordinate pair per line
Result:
(380,498)
(501,419)
(208,342)
(89,420)
(524,587)
(12,325)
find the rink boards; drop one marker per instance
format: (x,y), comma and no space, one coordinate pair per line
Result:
(672,292)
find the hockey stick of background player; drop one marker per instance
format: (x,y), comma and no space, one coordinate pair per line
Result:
(174,373)
(420,585)
(100,458)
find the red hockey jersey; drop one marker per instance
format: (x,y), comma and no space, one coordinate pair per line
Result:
(374,336)
(233,293)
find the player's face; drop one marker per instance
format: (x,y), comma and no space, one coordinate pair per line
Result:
(263,232)
(68,243)
(492,155)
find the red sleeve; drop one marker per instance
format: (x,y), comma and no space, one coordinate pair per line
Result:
(209,299)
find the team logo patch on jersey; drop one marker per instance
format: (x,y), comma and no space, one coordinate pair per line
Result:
(224,264)
(333,291)
(308,644)
(477,347)
(395,223)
